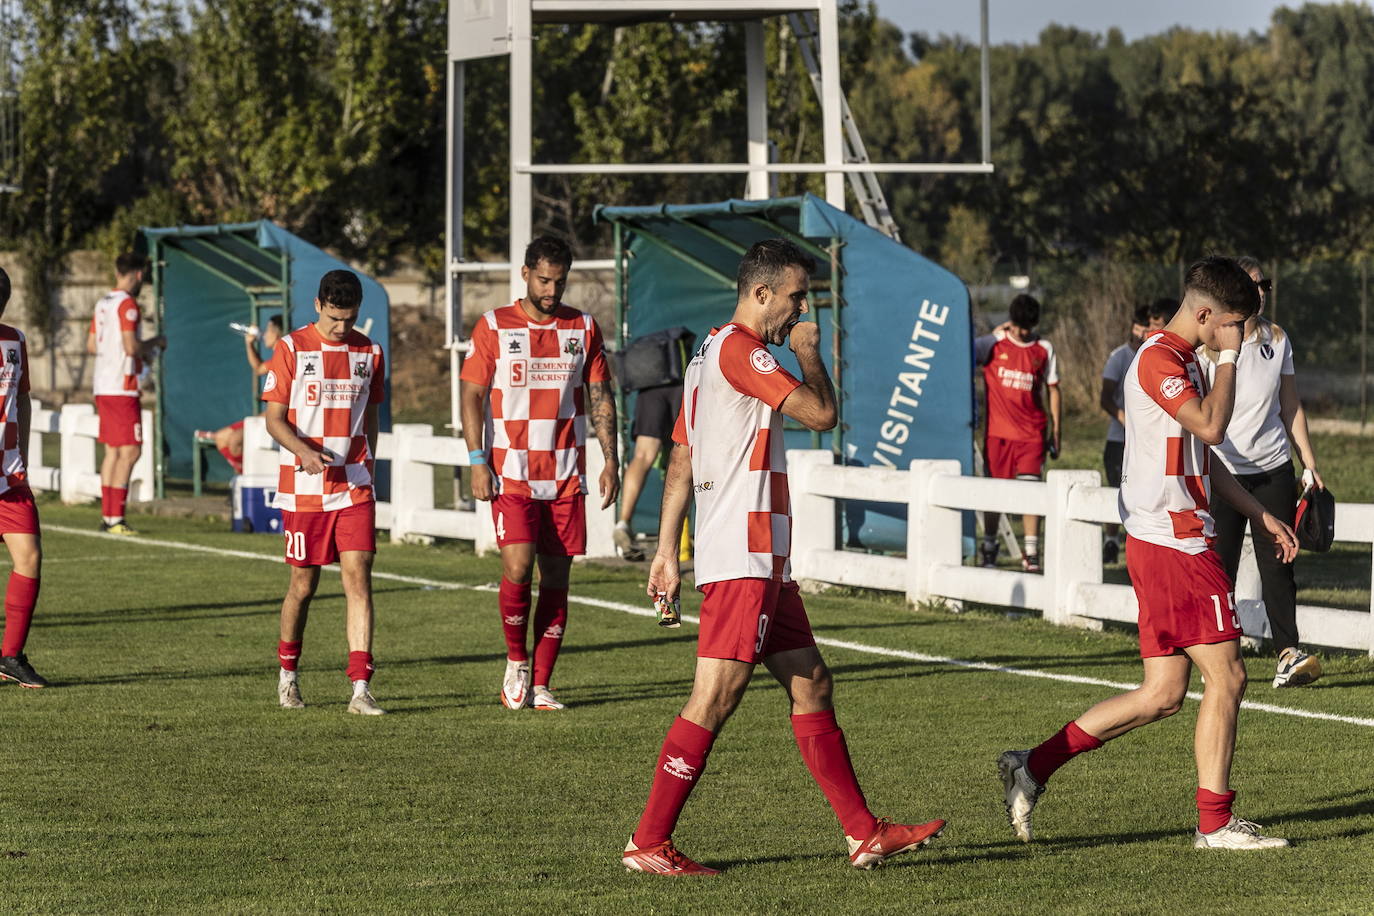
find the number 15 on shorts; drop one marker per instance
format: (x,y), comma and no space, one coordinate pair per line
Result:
(1230,608)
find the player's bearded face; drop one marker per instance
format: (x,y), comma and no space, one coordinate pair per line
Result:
(544,285)
(786,304)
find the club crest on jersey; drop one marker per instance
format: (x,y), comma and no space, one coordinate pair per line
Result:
(269,382)
(573,346)
(361,370)
(12,357)
(1172,387)
(1266,351)
(763,361)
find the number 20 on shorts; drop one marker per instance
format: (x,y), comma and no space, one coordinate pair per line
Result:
(295,545)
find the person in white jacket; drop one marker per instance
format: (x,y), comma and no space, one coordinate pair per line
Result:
(1257,451)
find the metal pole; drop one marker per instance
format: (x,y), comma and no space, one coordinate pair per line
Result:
(1364,344)
(986,80)
(756,79)
(831,126)
(453,241)
(521,145)
(159,466)
(836,344)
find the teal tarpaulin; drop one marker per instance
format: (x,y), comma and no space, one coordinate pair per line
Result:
(899,345)
(207,276)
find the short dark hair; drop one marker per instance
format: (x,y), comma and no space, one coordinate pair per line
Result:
(130,262)
(1141,314)
(548,248)
(276,322)
(1225,282)
(765,262)
(1024,311)
(341,289)
(1164,307)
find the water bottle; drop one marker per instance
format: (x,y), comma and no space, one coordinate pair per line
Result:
(247,330)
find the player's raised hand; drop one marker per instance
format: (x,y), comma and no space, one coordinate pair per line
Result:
(665,576)
(481,482)
(805,335)
(610,483)
(1229,336)
(1285,541)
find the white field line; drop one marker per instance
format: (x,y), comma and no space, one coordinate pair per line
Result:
(647,612)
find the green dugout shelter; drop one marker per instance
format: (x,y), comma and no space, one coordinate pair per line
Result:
(205,277)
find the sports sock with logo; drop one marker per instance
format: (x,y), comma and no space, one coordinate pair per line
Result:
(1213,809)
(360,666)
(21,595)
(289,654)
(680,764)
(1032,545)
(550,622)
(822,746)
(514,600)
(119,497)
(1059,749)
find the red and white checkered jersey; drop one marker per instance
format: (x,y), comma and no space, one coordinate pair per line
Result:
(1013,375)
(730,421)
(536,426)
(1166,493)
(116,372)
(14,384)
(326,388)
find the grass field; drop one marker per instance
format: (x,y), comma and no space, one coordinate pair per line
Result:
(157,775)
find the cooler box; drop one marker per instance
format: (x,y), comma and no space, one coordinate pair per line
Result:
(253,510)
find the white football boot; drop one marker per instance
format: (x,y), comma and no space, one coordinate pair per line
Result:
(515,686)
(1237,834)
(1020,791)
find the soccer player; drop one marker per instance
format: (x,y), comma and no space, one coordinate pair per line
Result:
(119,359)
(229,439)
(1256,451)
(1187,609)
(18,514)
(1110,399)
(655,411)
(729,444)
(534,369)
(1017,365)
(322,389)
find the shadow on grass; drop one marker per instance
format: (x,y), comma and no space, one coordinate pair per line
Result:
(181,612)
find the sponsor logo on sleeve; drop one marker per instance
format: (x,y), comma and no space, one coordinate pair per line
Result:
(131,315)
(763,361)
(1172,387)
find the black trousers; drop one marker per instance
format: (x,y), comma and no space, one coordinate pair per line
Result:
(1276,490)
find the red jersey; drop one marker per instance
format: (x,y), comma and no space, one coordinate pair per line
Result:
(1014,374)
(14,384)
(326,388)
(536,426)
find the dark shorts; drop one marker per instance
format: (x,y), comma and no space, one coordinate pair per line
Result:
(1112,456)
(656,411)
(557,527)
(317,538)
(1185,599)
(750,619)
(121,419)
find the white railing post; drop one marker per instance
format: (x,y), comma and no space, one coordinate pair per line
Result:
(1249,592)
(260,456)
(1073,549)
(412,482)
(142,485)
(600,522)
(813,517)
(77,451)
(934,534)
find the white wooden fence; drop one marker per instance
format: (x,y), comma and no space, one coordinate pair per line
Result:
(1073,504)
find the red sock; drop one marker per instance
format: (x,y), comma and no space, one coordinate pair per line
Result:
(288,654)
(20,597)
(104,501)
(1059,749)
(550,622)
(360,666)
(514,599)
(118,497)
(1213,810)
(822,746)
(679,767)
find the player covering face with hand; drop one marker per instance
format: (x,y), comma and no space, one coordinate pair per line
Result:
(1187,607)
(728,442)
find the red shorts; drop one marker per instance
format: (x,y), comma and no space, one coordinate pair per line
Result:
(1185,599)
(557,527)
(750,619)
(317,538)
(235,461)
(18,513)
(121,419)
(1011,458)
